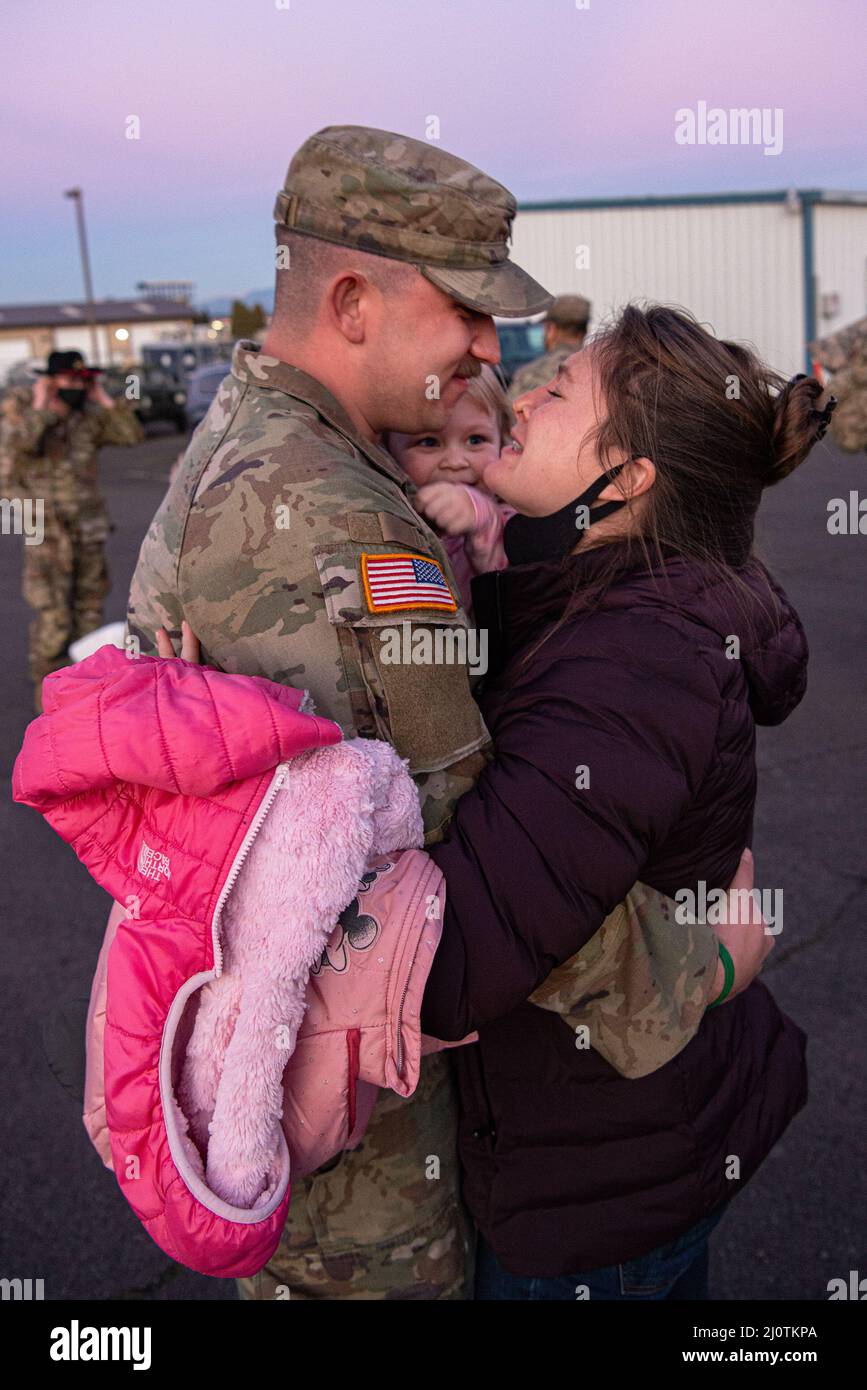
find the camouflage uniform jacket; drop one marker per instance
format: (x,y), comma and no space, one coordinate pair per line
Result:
(42,456)
(844,357)
(849,385)
(539,371)
(260,543)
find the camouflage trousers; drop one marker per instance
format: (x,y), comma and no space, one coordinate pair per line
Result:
(385,1220)
(65,582)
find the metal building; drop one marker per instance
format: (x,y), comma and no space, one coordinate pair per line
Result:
(121,327)
(771,269)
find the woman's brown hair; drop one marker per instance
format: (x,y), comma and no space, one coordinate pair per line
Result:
(719,425)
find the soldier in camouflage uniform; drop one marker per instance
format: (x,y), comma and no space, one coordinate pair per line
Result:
(844,355)
(565,329)
(49,438)
(270,542)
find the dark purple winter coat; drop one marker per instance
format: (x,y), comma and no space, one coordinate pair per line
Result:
(568,1165)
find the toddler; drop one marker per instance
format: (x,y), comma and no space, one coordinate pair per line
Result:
(447,467)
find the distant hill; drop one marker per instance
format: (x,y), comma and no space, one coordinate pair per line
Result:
(263,297)
(220,305)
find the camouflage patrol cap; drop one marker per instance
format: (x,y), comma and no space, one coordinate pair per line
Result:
(569,311)
(410,201)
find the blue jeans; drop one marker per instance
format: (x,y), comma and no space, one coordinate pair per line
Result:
(674,1271)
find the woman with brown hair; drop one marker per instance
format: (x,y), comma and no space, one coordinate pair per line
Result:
(632,658)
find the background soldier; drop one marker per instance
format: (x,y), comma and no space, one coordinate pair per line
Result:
(565,329)
(392,257)
(844,355)
(49,438)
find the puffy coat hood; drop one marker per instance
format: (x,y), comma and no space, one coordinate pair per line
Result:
(751,607)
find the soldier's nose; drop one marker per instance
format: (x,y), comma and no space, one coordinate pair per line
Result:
(486,344)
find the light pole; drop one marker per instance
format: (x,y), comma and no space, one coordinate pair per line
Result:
(78,198)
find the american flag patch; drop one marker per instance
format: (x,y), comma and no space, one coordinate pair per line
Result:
(392,582)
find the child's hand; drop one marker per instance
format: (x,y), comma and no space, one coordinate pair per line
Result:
(189,643)
(448,506)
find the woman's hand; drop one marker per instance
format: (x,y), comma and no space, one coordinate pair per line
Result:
(743,934)
(189,643)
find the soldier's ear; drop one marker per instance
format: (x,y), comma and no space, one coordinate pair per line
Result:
(345,296)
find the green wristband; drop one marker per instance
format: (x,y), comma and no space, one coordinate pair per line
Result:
(729,972)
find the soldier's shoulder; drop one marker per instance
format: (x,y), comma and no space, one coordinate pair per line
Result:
(551,360)
(281,449)
(285,501)
(534,373)
(857,369)
(531,367)
(273,428)
(849,380)
(16,400)
(517,382)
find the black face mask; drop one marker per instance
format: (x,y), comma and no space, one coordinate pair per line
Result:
(72,396)
(531,539)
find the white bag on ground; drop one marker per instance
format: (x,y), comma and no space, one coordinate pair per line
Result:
(111,633)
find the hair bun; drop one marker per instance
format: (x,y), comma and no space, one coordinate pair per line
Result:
(797,426)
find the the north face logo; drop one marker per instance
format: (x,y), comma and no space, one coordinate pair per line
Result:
(151,863)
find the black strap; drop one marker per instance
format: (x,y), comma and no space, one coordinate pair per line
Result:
(528,539)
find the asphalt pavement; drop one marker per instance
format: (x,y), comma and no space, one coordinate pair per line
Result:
(799,1223)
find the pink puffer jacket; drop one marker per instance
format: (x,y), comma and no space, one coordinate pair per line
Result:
(232,829)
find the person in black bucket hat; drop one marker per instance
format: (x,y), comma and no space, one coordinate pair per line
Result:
(50,434)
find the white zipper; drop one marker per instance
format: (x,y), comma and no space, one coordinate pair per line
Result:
(276,783)
(400,1015)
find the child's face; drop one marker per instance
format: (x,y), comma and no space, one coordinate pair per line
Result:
(458,453)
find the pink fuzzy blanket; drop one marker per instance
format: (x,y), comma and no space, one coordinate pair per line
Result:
(336,807)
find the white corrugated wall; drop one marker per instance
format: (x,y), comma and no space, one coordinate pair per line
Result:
(736,266)
(65,339)
(840,261)
(110,350)
(12,351)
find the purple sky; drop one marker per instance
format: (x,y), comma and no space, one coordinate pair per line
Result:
(555,101)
